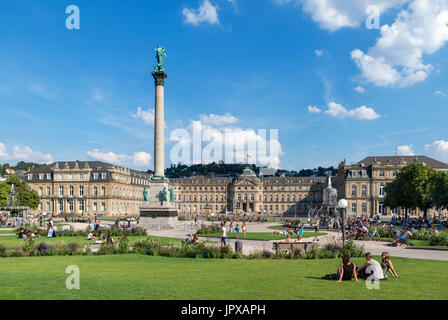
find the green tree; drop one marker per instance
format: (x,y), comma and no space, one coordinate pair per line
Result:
(4,188)
(440,190)
(27,196)
(412,188)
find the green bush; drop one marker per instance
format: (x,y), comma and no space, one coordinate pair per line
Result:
(439,238)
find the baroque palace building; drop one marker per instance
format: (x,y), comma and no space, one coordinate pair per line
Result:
(247,194)
(363,183)
(88,188)
(81,188)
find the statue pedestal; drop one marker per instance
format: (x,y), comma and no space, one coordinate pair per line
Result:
(156,214)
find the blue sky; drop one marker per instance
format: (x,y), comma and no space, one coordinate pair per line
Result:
(333,88)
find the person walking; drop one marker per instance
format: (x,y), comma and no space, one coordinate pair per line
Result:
(237,228)
(223,235)
(244,229)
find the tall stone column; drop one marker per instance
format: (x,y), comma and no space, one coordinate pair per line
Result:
(159,125)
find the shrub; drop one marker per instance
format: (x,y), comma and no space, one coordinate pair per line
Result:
(3,251)
(439,238)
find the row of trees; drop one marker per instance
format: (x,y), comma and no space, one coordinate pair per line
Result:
(232,170)
(27,196)
(22,165)
(418,186)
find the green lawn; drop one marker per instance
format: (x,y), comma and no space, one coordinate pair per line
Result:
(419,243)
(282,227)
(146,277)
(14,242)
(6,231)
(262,235)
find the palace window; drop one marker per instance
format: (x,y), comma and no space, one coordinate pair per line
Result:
(382,173)
(61,191)
(95,191)
(48,176)
(353,207)
(364,207)
(81,191)
(70,206)
(353,191)
(48,191)
(95,206)
(382,193)
(103,191)
(40,191)
(364,191)
(71,191)
(81,206)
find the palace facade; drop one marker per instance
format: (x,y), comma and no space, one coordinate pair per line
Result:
(247,194)
(87,188)
(363,183)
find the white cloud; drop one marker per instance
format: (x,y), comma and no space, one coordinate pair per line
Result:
(360,89)
(440,93)
(438,149)
(312,109)
(338,111)
(333,15)
(397,57)
(3,150)
(319,53)
(110,157)
(147,116)
(219,137)
(405,150)
(138,159)
(24,154)
(218,120)
(141,159)
(207,13)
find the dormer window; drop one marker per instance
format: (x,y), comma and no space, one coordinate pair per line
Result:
(41,176)
(30,176)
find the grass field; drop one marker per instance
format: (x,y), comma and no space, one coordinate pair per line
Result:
(262,235)
(13,242)
(146,277)
(282,227)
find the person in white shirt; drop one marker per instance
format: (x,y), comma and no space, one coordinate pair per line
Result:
(371,267)
(223,234)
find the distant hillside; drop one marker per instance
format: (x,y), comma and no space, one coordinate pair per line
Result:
(233,170)
(22,165)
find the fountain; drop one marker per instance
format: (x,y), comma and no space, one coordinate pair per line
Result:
(328,209)
(11,207)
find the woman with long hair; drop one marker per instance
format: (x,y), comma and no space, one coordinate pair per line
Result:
(347,270)
(387,266)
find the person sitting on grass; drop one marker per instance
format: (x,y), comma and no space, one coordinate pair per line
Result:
(196,239)
(21,233)
(347,270)
(387,266)
(189,239)
(404,237)
(91,236)
(288,239)
(371,267)
(110,240)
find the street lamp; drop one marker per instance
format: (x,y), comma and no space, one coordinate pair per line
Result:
(343,204)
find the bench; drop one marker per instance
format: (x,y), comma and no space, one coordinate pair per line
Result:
(284,247)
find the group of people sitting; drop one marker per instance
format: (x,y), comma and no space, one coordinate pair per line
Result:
(193,239)
(102,238)
(297,232)
(23,234)
(370,270)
